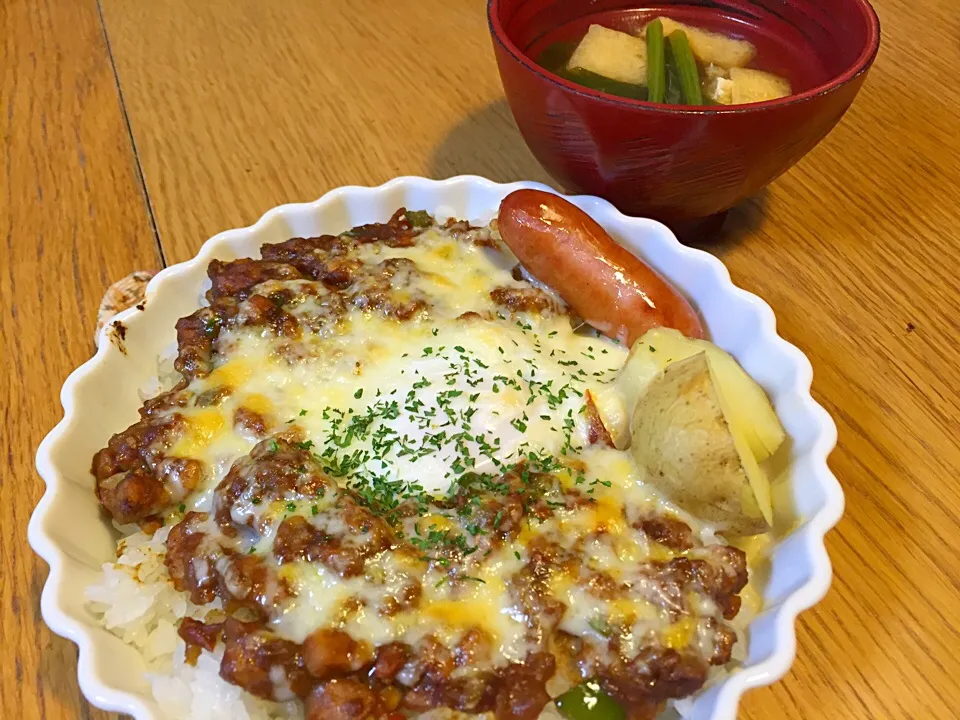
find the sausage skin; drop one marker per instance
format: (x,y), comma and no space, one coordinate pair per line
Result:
(604,283)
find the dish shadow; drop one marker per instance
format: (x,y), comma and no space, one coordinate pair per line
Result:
(740,222)
(487,143)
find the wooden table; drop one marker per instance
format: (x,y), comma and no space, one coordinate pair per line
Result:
(131,130)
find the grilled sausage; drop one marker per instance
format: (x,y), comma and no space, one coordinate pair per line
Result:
(606,285)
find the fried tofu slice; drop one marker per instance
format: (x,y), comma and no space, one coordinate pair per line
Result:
(710,47)
(612,54)
(750,86)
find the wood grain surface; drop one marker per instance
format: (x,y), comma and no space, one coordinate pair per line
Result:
(72,219)
(236,106)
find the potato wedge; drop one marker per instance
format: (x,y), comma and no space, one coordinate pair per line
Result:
(684,442)
(710,47)
(750,86)
(612,54)
(749,409)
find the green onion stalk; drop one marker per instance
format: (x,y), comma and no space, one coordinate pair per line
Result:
(686,68)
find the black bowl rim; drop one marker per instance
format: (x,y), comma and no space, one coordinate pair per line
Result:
(863,63)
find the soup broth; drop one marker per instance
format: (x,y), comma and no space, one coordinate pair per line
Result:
(778,49)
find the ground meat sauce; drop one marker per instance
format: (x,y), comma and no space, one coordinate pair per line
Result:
(135,480)
(523,299)
(234,279)
(589,588)
(197,335)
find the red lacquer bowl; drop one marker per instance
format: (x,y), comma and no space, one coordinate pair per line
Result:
(668,162)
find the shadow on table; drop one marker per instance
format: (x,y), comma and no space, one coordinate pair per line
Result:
(487,142)
(741,221)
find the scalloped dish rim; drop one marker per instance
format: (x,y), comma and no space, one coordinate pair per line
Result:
(815,487)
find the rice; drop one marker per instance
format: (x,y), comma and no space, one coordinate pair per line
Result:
(167,376)
(136,601)
(200,692)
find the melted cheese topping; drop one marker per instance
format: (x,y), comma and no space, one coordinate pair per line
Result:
(422,403)
(521,380)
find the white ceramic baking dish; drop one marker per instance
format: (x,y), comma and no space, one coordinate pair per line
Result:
(68,531)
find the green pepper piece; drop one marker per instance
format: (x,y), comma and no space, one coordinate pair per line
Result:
(656,71)
(419,218)
(686,68)
(588,702)
(600,624)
